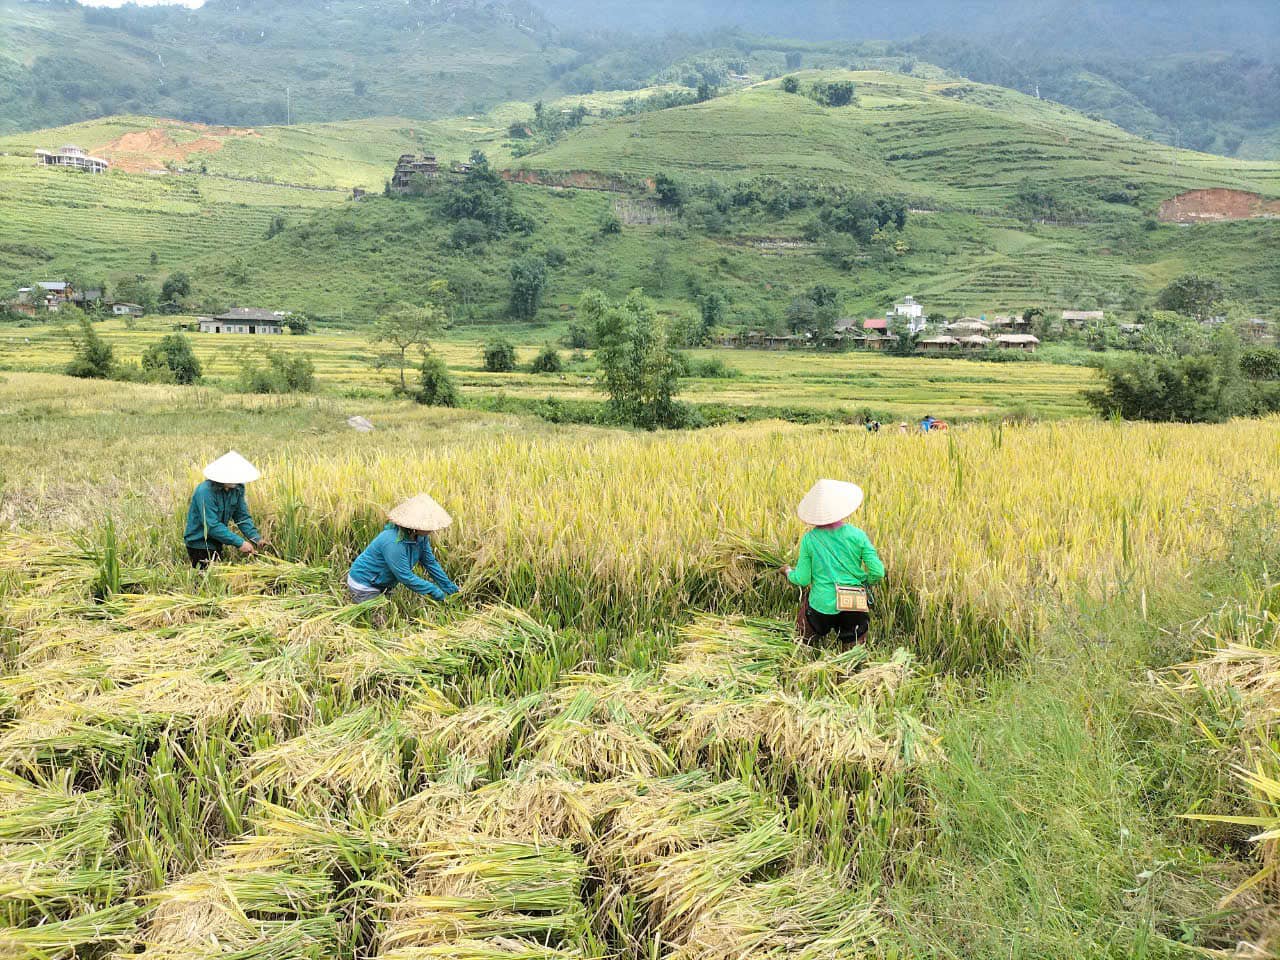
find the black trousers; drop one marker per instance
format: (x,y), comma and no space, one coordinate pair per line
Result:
(851,627)
(202,558)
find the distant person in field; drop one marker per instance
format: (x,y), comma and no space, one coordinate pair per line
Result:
(927,424)
(837,563)
(403,544)
(217,505)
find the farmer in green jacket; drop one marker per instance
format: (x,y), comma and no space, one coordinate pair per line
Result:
(834,556)
(216,505)
(403,544)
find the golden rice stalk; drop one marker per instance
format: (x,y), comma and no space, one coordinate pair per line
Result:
(223,912)
(284,838)
(657,818)
(63,939)
(851,675)
(475,888)
(356,758)
(809,736)
(496,948)
(599,749)
(268,574)
(473,734)
(679,888)
(803,915)
(735,652)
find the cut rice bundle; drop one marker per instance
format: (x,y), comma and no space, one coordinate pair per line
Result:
(497,948)
(473,734)
(477,888)
(539,802)
(600,727)
(267,574)
(283,838)
(735,653)
(803,915)
(64,939)
(852,676)
(658,818)
(354,759)
(226,910)
(679,888)
(810,736)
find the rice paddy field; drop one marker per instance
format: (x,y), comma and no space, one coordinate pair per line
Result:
(794,383)
(610,745)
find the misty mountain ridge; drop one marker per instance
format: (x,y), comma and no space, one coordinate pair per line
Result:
(1181,73)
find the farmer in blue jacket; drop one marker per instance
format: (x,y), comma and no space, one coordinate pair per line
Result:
(403,544)
(216,506)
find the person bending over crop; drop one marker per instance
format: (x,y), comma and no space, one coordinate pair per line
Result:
(216,504)
(403,544)
(837,563)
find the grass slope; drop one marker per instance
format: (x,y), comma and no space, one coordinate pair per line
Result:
(231,63)
(957,144)
(961,158)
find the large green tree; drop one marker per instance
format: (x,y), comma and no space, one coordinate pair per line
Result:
(528,282)
(406,326)
(640,372)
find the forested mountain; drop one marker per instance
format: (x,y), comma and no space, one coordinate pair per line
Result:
(1198,75)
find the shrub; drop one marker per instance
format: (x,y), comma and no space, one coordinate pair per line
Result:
(468,233)
(172,360)
(610,225)
(548,361)
(714,368)
(282,372)
(94,359)
(1262,363)
(436,386)
(1198,389)
(790,85)
(499,356)
(528,281)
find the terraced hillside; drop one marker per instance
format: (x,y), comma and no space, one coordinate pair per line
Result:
(965,155)
(959,144)
(56,220)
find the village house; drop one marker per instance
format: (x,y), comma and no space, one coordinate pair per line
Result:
(1017,341)
(52,294)
(967,326)
(938,344)
(911,311)
(127,310)
(1078,318)
(72,157)
(975,342)
(244,320)
(1257,328)
(410,166)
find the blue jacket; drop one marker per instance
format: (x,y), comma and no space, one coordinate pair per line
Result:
(212,509)
(390,559)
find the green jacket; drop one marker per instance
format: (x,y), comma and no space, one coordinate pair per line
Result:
(841,556)
(212,509)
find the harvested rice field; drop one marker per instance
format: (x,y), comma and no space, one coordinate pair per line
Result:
(610,744)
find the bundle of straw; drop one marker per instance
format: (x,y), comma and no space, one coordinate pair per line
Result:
(734,652)
(475,888)
(354,759)
(803,915)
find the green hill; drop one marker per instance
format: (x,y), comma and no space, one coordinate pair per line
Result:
(258,63)
(955,144)
(976,163)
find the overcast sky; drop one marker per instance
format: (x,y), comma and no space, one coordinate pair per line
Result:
(141,3)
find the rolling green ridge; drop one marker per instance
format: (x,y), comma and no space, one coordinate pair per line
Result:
(961,153)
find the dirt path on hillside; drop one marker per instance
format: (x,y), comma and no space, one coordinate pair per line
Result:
(1207,206)
(144,151)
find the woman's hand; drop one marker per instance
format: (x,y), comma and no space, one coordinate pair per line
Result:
(786,571)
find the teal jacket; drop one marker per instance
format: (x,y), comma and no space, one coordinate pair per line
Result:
(390,559)
(212,509)
(842,556)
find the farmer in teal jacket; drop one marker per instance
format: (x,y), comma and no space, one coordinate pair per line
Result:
(216,505)
(834,554)
(405,543)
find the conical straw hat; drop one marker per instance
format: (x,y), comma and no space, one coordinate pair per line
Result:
(231,468)
(829,501)
(420,513)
